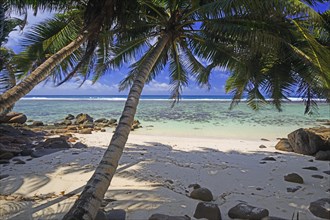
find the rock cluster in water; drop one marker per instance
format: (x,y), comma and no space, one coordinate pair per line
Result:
(312,141)
(81,123)
(19,139)
(22,141)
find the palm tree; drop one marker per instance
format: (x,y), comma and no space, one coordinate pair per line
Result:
(7,66)
(98,16)
(176,26)
(169,22)
(7,74)
(182,34)
(298,60)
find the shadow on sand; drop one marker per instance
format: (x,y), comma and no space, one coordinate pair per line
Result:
(161,175)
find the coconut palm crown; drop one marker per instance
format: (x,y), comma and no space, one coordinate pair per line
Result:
(174,34)
(47,51)
(169,25)
(288,56)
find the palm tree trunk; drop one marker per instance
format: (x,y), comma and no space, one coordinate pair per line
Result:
(12,95)
(87,205)
(2,22)
(11,83)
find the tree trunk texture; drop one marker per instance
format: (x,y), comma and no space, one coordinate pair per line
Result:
(2,22)
(12,95)
(11,84)
(87,205)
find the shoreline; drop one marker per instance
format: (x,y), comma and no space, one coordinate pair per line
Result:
(154,175)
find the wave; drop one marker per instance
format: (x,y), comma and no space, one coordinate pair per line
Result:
(149,98)
(73,99)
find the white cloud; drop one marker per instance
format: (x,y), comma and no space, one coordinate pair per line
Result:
(102,88)
(155,86)
(72,88)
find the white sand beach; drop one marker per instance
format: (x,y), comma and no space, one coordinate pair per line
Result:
(154,175)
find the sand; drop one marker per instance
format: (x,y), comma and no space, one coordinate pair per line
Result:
(154,175)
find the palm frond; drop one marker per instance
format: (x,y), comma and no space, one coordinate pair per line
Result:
(47,38)
(178,74)
(136,67)
(313,52)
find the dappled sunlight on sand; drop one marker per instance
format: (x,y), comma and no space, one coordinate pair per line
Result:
(154,174)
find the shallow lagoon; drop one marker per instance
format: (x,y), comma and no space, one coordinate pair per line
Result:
(201,118)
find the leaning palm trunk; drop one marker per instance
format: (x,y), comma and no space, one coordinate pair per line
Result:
(2,22)
(11,81)
(12,95)
(87,205)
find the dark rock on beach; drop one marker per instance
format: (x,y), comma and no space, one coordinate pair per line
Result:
(305,142)
(87,124)
(26,152)
(6,156)
(82,118)
(58,142)
(79,145)
(327,172)
(168,217)
(310,168)
(269,159)
(7,130)
(309,141)
(100,215)
(14,117)
(17,140)
(19,161)
(194,186)
(318,176)
(293,189)
(245,211)
(284,145)
(59,131)
(294,178)
(85,131)
(320,209)
(66,122)
(69,117)
(37,123)
(29,140)
(9,147)
(102,120)
(112,121)
(116,214)
(136,124)
(323,155)
(273,218)
(72,128)
(49,146)
(4,161)
(203,194)
(208,211)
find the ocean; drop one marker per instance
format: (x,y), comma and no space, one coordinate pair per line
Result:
(198,116)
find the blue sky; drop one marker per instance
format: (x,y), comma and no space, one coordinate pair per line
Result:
(108,85)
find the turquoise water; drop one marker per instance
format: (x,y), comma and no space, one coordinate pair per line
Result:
(207,116)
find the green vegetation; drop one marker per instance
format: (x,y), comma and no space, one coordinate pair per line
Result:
(272,48)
